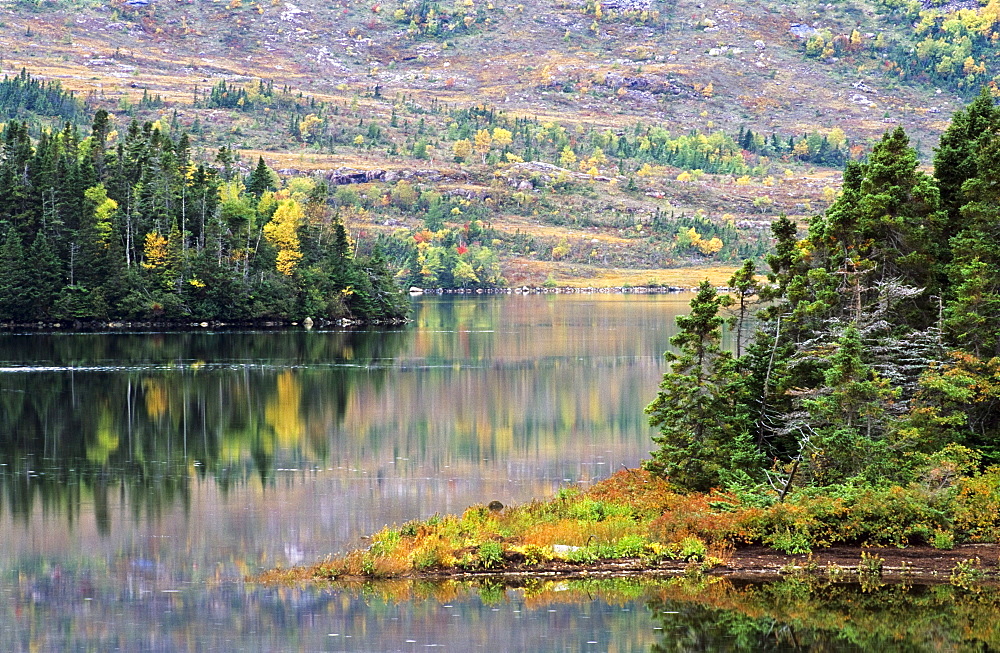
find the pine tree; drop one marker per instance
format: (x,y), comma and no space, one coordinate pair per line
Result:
(955,155)
(698,410)
(15,280)
(260,180)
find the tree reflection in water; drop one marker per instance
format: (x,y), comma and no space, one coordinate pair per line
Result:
(141,414)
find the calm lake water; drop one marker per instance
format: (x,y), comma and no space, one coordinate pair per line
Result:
(143,475)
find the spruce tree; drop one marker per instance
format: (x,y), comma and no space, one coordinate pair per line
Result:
(46,275)
(698,410)
(100,129)
(843,432)
(955,155)
(15,280)
(744,283)
(260,180)
(900,224)
(972,316)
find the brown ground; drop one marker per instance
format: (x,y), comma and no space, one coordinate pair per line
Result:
(921,563)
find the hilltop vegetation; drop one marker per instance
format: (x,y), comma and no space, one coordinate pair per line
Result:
(661,118)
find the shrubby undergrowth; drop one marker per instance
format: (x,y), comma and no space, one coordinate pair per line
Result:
(636,515)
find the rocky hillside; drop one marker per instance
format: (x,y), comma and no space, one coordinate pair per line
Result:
(636,120)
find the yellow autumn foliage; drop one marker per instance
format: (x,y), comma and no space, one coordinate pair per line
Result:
(282,233)
(154,251)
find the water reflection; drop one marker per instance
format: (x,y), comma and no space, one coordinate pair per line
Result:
(164,414)
(139,470)
(680,614)
(531,381)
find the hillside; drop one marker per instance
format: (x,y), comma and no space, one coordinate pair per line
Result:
(662,118)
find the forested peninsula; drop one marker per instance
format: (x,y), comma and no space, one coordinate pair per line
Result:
(861,406)
(140,231)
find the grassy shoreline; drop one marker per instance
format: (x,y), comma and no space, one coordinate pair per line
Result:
(635,524)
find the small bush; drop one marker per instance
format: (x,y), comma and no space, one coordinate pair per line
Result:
(584,556)
(789,541)
(534,554)
(870,565)
(977,507)
(490,555)
(631,546)
(691,549)
(434,554)
(943,540)
(591,510)
(384,542)
(967,572)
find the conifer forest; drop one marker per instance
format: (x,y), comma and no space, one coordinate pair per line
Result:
(875,351)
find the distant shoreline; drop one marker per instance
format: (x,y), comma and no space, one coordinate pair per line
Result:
(111,326)
(553,290)
(198,325)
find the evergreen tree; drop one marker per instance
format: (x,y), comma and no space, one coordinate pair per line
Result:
(744,283)
(843,434)
(955,155)
(698,408)
(901,224)
(973,314)
(15,280)
(260,180)
(16,206)
(46,275)
(100,129)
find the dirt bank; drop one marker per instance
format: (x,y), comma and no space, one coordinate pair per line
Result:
(918,563)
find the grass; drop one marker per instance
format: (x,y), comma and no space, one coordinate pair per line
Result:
(522,271)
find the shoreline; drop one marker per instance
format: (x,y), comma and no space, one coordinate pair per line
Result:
(635,524)
(193,325)
(966,563)
(557,290)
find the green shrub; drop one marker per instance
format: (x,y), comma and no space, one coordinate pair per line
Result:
(692,549)
(943,540)
(591,510)
(490,555)
(631,546)
(584,555)
(789,541)
(384,542)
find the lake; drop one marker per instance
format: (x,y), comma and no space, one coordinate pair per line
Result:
(144,475)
